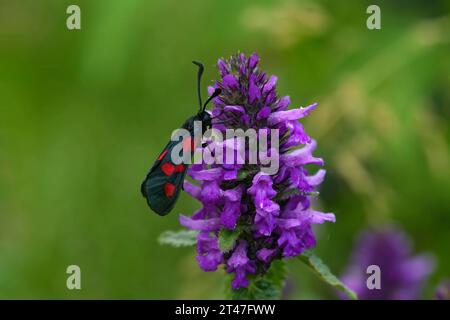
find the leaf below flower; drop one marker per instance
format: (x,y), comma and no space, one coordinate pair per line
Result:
(182,238)
(322,270)
(227,239)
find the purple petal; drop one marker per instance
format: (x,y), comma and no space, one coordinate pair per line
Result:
(284,103)
(265,254)
(201,214)
(245,119)
(265,219)
(270,84)
(230,82)
(317,217)
(293,114)
(201,225)
(263,113)
(211,192)
(232,209)
(230,215)
(253,61)
(209,262)
(240,281)
(234,194)
(302,156)
(270,98)
(231,174)
(316,179)
(295,241)
(289,223)
(239,256)
(261,189)
(422,265)
(254,93)
(235,109)
(208,253)
(223,67)
(206,175)
(193,190)
(297,134)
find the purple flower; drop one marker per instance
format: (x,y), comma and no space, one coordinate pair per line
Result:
(230,82)
(265,254)
(266,209)
(269,214)
(209,255)
(223,67)
(402,275)
(232,207)
(200,224)
(240,264)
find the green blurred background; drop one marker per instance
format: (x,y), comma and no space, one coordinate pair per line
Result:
(84,113)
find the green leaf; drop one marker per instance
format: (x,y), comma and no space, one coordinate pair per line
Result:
(260,289)
(316,264)
(277,273)
(246,173)
(227,239)
(182,238)
(243,174)
(267,287)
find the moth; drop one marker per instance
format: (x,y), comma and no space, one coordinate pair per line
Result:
(161,187)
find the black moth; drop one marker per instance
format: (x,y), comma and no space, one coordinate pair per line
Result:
(164,181)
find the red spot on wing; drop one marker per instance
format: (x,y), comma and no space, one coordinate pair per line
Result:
(179,168)
(188,145)
(169,189)
(168,168)
(162,155)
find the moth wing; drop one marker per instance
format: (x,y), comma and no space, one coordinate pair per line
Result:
(161,187)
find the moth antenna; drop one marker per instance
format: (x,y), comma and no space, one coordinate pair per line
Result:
(215,94)
(199,78)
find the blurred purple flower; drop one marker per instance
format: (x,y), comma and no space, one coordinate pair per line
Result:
(443,290)
(402,274)
(270,213)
